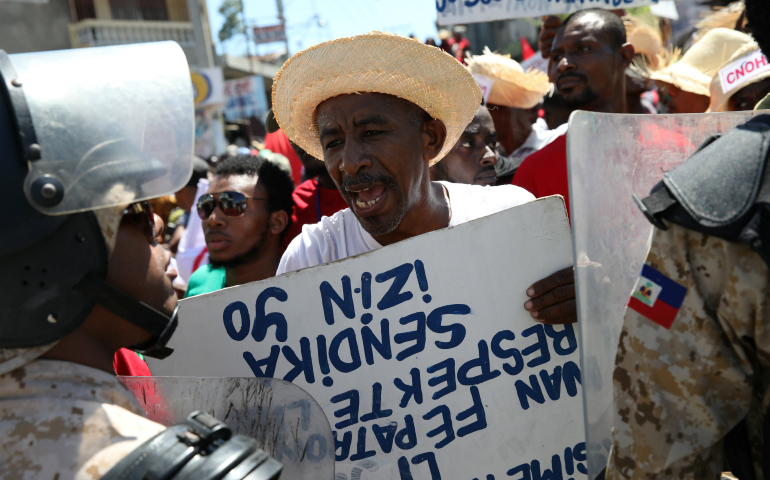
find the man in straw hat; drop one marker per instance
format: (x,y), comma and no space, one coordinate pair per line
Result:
(512,93)
(648,47)
(742,81)
(589,57)
(685,79)
(379,122)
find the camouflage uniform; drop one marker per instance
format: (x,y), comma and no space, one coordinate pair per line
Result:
(678,391)
(62,420)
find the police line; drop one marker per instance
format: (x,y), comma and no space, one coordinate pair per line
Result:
(421,354)
(622,155)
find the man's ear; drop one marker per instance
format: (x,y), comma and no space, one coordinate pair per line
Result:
(278,222)
(627,53)
(433,138)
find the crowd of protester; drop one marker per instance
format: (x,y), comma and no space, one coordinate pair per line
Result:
(251,202)
(320,189)
(518,136)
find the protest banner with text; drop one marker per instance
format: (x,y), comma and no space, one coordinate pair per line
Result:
(420,353)
(454,12)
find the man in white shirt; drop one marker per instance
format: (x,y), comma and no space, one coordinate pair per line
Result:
(378,127)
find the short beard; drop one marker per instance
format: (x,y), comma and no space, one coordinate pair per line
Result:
(244,258)
(376,226)
(587,97)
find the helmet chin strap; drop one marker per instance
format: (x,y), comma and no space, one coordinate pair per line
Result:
(132,310)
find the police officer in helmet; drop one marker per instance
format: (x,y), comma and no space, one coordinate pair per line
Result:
(86,137)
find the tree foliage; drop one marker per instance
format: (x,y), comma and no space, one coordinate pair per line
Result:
(231,10)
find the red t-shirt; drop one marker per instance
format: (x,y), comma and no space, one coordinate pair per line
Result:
(544,172)
(127,363)
(311,202)
(277,142)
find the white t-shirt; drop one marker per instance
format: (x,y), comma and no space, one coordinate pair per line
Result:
(341,235)
(540,137)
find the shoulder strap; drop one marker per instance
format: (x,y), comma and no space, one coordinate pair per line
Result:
(202,448)
(722,190)
(719,183)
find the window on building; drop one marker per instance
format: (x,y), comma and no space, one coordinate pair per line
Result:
(84,9)
(152,10)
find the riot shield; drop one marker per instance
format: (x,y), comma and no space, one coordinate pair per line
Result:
(286,421)
(610,157)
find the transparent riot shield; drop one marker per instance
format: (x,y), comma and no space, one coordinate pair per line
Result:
(610,157)
(286,421)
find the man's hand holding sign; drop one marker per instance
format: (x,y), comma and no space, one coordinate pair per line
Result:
(412,349)
(553,298)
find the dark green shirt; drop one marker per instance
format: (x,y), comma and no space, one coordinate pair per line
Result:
(205,280)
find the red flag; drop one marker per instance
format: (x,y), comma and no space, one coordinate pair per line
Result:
(526,49)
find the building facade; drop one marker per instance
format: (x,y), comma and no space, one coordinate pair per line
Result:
(61,24)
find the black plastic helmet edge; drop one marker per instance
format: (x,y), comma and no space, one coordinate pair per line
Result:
(201,448)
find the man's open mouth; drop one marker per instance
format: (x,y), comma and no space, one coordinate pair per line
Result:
(366,198)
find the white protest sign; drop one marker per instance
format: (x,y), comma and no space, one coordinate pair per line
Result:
(485,84)
(741,71)
(453,12)
(536,62)
(420,353)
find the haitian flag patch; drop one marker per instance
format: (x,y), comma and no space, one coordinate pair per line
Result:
(657,297)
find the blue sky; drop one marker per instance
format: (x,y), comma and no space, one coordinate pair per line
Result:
(341,18)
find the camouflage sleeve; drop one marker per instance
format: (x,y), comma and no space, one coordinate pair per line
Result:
(686,364)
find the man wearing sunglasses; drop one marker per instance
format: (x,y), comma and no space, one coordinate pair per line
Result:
(245,215)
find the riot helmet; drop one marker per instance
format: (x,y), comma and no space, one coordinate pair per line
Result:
(84,130)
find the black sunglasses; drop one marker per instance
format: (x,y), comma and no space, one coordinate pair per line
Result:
(141,213)
(232,204)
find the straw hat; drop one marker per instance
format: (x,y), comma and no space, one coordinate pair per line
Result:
(720,99)
(512,87)
(722,17)
(693,71)
(374,62)
(646,40)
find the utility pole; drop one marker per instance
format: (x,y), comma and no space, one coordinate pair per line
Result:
(248,40)
(279,4)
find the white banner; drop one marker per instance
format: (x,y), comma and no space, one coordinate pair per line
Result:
(453,12)
(741,71)
(420,353)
